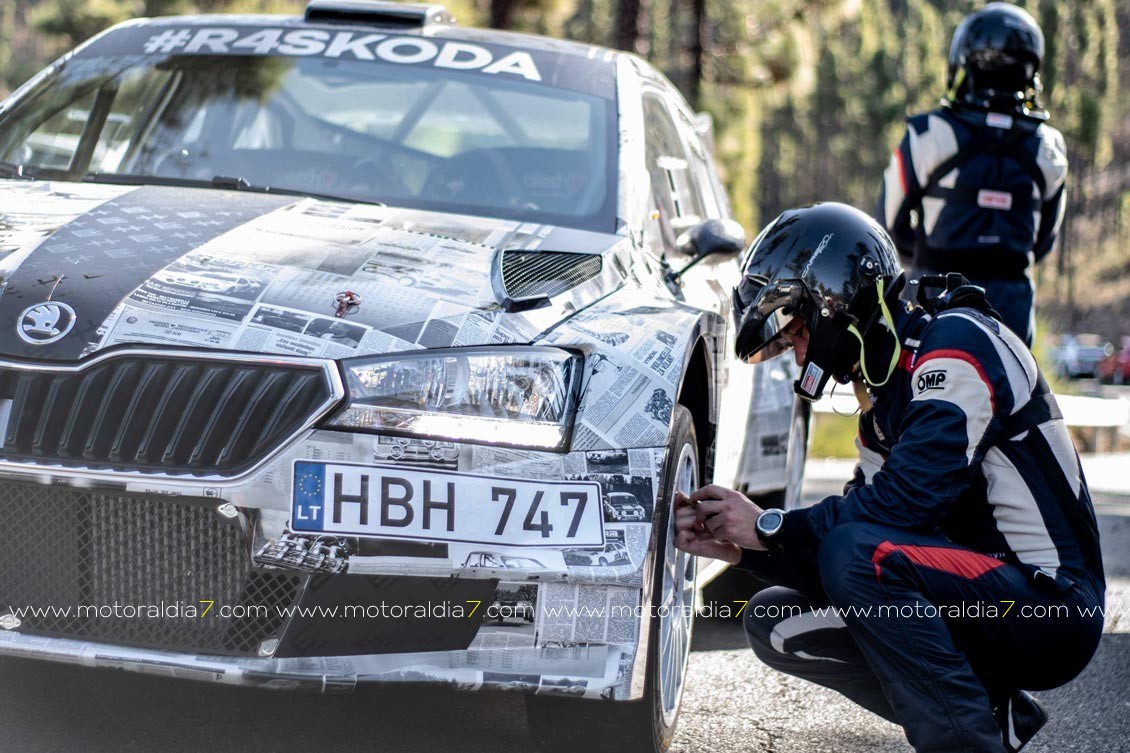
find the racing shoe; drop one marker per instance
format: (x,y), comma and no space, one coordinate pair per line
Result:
(1020,718)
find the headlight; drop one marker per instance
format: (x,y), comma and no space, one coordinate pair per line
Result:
(516,396)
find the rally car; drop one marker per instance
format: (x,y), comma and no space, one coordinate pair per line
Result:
(278,258)
(622,506)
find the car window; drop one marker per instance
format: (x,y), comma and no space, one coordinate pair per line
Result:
(52,144)
(678,205)
(429,138)
(702,182)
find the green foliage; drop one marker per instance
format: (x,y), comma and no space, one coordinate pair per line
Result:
(808,96)
(78,20)
(833,436)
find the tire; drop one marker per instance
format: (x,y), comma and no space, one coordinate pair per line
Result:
(603,562)
(647,725)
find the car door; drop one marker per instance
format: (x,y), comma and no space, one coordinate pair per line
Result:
(757,409)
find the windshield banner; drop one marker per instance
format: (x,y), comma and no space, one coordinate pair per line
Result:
(573,72)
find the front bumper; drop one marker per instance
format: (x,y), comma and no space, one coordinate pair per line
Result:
(150,543)
(594,671)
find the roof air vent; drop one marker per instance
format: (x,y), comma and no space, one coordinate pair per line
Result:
(377,13)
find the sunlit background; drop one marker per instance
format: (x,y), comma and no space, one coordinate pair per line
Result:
(808,99)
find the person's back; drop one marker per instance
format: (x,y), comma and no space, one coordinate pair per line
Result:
(977,185)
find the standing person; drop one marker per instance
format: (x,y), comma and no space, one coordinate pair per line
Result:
(977,185)
(961,565)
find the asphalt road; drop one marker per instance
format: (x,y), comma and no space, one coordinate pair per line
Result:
(732,704)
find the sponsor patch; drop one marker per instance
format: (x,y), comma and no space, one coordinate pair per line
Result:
(931,380)
(994,199)
(811,379)
(998,120)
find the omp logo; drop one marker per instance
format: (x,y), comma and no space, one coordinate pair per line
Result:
(343,44)
(931,380)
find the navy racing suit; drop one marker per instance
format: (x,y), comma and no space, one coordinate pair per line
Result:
(980,193)
(962,561)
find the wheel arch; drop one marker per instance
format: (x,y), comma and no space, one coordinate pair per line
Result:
(698,392)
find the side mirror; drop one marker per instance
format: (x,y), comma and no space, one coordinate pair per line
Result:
(706,239)
(712,237)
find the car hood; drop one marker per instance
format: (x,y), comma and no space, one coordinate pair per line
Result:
(85,267)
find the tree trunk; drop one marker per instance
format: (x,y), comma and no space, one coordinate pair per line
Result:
(698,52)
(631,23)
(7,21)
(502,14)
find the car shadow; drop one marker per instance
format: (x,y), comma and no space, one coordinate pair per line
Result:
(50,708)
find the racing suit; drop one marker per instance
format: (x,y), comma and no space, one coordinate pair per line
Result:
(962,561)
(980,193)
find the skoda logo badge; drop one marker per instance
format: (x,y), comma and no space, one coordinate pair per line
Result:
(45,322)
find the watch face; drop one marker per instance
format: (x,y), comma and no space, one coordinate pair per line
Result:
(770,521)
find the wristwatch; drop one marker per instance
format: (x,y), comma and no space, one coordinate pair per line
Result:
(768,525)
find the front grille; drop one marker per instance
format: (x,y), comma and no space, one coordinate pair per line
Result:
(177,415)
(64,548)
(536,274)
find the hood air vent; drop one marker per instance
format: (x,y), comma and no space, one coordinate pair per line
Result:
(528,279)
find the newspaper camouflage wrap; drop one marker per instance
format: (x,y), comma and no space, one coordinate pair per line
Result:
(268,274)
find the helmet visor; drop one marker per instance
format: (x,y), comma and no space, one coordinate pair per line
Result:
(761,324)
(998,70)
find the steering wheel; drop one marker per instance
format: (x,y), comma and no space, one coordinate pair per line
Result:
(482,177)
(377,174)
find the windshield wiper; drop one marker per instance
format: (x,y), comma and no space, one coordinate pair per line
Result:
(19,171)
(130,179)
(236,183)
(226,182)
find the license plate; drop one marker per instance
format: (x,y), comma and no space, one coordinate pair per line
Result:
(374,501)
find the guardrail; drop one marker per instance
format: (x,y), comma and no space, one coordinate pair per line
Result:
(1100,418)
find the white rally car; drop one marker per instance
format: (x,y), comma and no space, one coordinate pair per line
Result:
(306,314)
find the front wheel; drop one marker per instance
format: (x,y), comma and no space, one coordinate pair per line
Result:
(564,725)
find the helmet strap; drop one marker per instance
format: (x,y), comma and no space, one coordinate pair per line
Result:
(958,83)
(889,323)
(862,396)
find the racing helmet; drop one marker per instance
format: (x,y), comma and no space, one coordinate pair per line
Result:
(996,52)
(835,268)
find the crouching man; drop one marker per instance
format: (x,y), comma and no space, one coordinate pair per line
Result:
(961,565)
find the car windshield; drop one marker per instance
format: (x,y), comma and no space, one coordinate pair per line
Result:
(428,137)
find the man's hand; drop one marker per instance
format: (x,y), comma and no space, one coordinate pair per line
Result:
(716,522)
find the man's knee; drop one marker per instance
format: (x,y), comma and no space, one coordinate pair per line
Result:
(794,634)
(763,612)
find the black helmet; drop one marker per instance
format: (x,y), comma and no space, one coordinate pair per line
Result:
(834,267)
(995,54)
